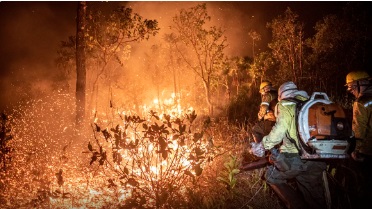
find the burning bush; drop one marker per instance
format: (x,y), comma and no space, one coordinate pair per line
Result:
(154,160)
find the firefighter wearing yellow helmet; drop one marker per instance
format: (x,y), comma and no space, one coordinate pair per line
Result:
(359,84)
(269,98)
(266,117)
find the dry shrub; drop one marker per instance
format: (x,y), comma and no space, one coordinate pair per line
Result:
(54,166)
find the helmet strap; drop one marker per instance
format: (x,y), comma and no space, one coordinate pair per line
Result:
(358,85)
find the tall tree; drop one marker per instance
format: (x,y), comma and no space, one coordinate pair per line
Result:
(287,45)
(239,72)
(255,37)
(263,68)
(205,47)
(108,38)
(80,63)
(342,43)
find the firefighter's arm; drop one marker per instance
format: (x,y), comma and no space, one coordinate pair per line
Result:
(278,131)
(264,106)
(359,127)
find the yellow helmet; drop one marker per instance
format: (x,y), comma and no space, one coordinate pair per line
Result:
(356,76)
(264,84)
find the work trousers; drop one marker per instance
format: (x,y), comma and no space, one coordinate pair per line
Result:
(306,173)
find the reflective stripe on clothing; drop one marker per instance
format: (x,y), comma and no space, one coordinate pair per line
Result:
(288,103)
(368,104)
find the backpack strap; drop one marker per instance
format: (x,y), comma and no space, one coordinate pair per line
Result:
(301,145)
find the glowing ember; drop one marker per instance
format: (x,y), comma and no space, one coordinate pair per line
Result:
(150,160)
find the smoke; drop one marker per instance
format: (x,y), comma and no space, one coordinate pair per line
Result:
(29,39)
(237,21)
(32,31)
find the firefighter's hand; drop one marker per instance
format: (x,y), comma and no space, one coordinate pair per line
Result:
(260,117)
(357,156)
(261,114)
(257,149)
(263,111)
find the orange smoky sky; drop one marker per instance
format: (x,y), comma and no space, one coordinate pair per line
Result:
(31,32)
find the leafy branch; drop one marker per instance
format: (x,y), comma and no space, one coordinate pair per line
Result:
(157,156)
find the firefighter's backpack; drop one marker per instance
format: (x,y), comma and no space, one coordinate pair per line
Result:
(323,128)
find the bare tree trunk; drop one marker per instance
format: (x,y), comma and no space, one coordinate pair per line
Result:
(208,97)
(80,65)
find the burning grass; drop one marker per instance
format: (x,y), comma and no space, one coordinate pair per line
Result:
(156,161)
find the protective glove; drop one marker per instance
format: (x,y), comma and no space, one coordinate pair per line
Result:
(257,149)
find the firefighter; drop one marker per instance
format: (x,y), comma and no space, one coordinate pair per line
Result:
(359,84)
(266,117)
(287,166)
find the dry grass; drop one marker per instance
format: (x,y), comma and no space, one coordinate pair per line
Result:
(48,171)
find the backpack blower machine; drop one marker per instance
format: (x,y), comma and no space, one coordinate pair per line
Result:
(323,131)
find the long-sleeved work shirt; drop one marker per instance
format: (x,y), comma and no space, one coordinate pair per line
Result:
(362,121)
(284,129)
